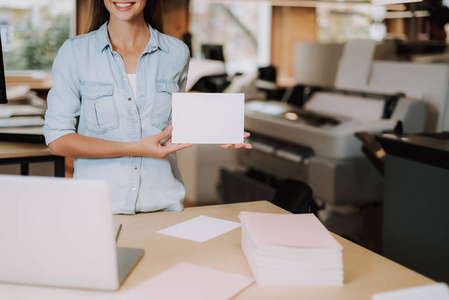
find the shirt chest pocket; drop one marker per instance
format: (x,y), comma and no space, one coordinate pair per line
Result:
(161,112)
(100,109)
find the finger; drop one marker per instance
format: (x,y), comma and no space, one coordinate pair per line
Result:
(242,145)
(246,134)
(167,142)
(176,147)
(247,146)
(164,133)
(226,146)
(166,150)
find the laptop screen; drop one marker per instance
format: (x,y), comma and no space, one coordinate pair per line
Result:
(57,232)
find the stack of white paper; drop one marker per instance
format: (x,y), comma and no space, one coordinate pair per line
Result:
(286,249)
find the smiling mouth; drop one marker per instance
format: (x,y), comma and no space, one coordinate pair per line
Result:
(123,5)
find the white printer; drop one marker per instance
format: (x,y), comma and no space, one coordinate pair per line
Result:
(317,143)
(320,139)
(330,118)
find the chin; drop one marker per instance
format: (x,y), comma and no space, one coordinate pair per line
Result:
(125,10)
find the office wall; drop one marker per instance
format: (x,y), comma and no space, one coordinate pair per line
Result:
(289,25)
(176,17)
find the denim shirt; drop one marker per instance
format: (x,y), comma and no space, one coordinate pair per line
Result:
(92,96)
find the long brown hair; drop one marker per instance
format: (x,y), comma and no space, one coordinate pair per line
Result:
(152,13)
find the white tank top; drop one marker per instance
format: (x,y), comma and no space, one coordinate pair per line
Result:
(132,82)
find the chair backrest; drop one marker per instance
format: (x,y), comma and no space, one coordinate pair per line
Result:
(238,187)
(294,196)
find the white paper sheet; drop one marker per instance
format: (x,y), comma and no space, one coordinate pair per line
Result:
(200,229)
(437,291)
(294,230)
(355,64)
(22,122)
(208,118)
(354,107)
(287,249)
(190,282)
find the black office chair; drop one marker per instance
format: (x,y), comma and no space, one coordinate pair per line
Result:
(294,196)
(237,187)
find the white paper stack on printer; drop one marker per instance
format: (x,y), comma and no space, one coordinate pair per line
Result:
(290,250)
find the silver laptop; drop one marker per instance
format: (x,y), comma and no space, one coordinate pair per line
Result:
(59,232)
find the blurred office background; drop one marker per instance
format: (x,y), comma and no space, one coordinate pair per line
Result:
(252,47)
(252,33)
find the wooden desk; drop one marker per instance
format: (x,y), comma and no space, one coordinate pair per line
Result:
(26,153)
(365,272)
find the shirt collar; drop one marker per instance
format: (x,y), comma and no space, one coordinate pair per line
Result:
(103,38)
(156,40)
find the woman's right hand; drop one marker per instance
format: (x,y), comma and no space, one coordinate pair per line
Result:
(151,146)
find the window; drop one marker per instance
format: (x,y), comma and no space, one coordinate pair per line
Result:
(33,30)
(242,27)
(339,22)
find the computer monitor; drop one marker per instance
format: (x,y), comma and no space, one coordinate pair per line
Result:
(212,51)
(3,99)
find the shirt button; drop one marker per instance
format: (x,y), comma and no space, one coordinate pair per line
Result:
(141,75)
(124,78)
(154,47)
(133,189)
(129,99)
(141,96)
(136,121)
(135,168)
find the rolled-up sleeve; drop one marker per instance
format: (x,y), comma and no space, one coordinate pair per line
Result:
(63,100)
(183,78)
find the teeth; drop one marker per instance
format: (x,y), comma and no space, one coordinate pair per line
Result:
(123,4)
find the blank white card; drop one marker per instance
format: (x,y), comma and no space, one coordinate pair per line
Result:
(208,118)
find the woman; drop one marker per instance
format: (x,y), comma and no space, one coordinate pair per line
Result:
(110,105)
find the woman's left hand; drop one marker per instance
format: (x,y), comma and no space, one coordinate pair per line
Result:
(238,146)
